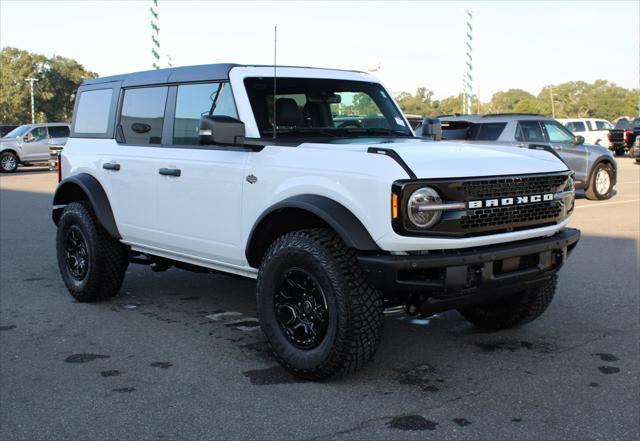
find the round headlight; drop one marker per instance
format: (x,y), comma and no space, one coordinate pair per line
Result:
(419,207)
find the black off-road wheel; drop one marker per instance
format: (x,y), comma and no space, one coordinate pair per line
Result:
(516,309)
(8,162)
(317,310)
(91,262)
(601,184)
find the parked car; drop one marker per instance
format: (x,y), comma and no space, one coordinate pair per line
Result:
(6,128)
(207,167)
(624,134)
(594,131)
(29,144)
(595,167)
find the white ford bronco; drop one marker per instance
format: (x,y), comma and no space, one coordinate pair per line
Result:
(312,182)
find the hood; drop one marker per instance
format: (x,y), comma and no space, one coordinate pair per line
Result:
(450,159)
(9,140)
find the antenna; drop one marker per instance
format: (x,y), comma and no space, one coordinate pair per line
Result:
(275,51)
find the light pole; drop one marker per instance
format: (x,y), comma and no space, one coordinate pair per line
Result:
(33,102)
(468,77)
(155,35)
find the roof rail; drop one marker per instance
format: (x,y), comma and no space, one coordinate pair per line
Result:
(511,114)
(456,114)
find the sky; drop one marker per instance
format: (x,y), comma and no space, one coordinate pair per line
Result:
(524,45)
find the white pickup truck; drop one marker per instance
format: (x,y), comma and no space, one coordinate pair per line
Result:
(312,182)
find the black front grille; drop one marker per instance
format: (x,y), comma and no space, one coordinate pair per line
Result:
(468,222)
(512,215)
(513,186)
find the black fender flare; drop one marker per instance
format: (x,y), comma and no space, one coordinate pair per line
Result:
(67,192)
(337,216)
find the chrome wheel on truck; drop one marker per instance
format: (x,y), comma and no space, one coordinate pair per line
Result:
(8,162)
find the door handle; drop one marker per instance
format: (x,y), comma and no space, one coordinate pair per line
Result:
(170,171)
(519,144)
(111,166)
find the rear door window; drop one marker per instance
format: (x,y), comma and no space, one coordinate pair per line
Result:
(58,131)
(604,125)
(575,126)
(196,100)
(529,131)
(142,115)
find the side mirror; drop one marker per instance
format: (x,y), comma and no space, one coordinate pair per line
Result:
(579,139)
(28,137)
(221,130)
(431,128)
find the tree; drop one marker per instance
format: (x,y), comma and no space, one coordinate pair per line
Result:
(58,79)
(574,99)
(506,102)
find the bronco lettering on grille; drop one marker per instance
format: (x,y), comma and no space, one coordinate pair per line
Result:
(518,200)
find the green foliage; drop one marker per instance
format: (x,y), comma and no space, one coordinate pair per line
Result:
(58,79)
(600,99)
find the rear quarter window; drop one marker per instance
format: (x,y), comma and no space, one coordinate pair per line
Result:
(487,131)
(92,114)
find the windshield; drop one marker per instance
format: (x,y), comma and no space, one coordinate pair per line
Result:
(18,131)
(324,108)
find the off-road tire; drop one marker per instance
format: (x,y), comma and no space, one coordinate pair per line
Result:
(8,156)
(514,310)
(591,192)
(355,308)
(108,259)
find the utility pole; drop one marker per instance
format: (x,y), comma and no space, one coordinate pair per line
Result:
(468,77)
(553,109)
(33,101)
(155,35)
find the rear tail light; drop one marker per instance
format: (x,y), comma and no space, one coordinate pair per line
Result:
(627,135)
(609,136)
(59,167)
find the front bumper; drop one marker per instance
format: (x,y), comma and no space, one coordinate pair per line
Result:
(453,278)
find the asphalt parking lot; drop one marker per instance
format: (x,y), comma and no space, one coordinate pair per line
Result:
(178,355)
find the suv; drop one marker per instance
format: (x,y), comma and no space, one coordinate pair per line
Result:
(594,131)
(30,143)
(207,167)
(595,167)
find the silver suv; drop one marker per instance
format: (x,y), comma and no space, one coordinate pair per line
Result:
(594,166)
(30,143)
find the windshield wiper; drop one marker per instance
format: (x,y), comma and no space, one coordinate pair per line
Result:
(376,131)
